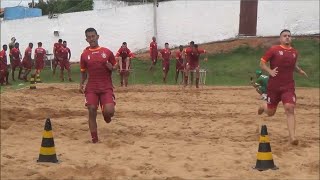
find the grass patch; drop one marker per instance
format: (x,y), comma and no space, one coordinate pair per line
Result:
(227,69)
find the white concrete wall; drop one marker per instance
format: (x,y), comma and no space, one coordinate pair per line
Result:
(300,17)
(178,22)
(131,24)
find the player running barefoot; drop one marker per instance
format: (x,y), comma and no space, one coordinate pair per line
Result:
(97,62)
(261,84)
(281,86)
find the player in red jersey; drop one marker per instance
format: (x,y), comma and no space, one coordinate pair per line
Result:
(98,62)
(16,61)
(4,66)
(39,55)
(56,61)
(166,55)
(281,86)
(193,58)
(64,60)
(179,63)
(153,53)
(124,56)
(27,61)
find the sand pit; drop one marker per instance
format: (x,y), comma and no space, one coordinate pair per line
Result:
(159,132)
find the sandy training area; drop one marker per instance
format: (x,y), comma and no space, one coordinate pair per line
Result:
(158,132)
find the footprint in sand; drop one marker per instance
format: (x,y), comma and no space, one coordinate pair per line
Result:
(188,167)
(9,157)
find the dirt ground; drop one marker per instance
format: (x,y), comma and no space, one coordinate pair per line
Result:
(158,132)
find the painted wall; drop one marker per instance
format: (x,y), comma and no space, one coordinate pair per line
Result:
(178,22)
(301,17)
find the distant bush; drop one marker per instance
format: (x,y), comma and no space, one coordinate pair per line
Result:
(63,6)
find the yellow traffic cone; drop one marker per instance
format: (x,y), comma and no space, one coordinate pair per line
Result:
(32,82)
(47,150)
(264,155)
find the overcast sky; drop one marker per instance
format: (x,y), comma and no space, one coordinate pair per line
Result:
(10,3)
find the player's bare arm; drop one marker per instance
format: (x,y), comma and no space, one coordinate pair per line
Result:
(83,80)
(299,70)
(128,59)
(272,72)
(206,56)
(69,54)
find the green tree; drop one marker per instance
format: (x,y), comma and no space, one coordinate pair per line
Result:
(63,6)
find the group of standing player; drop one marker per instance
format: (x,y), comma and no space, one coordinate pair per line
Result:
(187,61)
(62,55)
(24,66)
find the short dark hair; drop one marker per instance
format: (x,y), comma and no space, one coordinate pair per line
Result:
(64,41)
(180,46)
(39,43)
(4,46)
(60,40)
(166,43)
(285,30)
(16,43)
(192,42)
(91,30)
(30,44)
(124,43)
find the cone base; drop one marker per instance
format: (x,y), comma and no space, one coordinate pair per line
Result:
(264,169)
(263,165)
(48,158)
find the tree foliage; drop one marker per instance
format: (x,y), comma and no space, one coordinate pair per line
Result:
(63,6)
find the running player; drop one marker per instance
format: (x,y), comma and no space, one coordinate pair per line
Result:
(281,86)
(261,84)
(97,62)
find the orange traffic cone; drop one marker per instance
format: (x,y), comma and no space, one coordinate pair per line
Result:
(264,155)
(47,150)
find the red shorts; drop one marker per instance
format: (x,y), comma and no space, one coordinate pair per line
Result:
(56,61)
(27,64)
(193,66)
(39,65)
(3,73)
(15,64)
(165,66)
(102,98)
(286,95)
(124,65)
(179,67)
(64,64)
